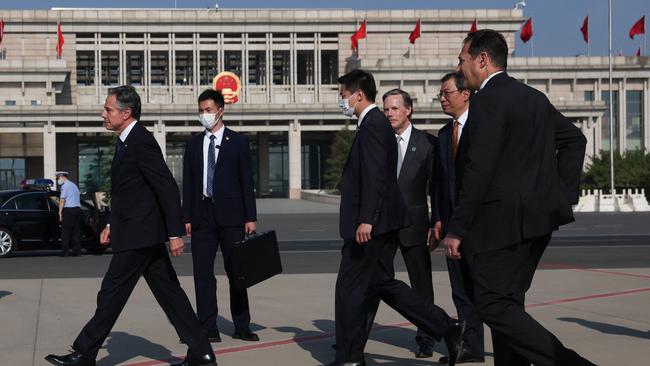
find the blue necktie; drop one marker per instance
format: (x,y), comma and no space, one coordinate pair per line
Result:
(211,165)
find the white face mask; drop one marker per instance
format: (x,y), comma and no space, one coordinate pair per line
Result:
(60,181)
(347,110)
(208,120)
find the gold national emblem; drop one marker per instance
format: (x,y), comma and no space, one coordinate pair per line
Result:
(229,85)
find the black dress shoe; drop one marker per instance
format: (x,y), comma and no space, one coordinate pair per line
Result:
(245,335)
(454,341)
(205,360)
(425,350)
(72,359)
(464,356)
(336,363)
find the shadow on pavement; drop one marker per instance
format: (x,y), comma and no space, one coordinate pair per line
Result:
(5,293)
(609,328)
(122,347)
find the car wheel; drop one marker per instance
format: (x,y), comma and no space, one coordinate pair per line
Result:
(7,242)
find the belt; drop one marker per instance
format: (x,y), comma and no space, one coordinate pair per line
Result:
(206,198)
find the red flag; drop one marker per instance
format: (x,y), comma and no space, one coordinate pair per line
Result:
(638,27)
(527,30)
(585,29)
(60,40)
(415,34)
(2,29)
(359,34)
(638,52)
(474,27)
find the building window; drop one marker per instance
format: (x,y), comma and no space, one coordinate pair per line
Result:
(85,68)
(174,159)
(589,95)
(633,119)
(10,102)
(232,62)
(305,67)
(159,68)
(257,67)
(135,67)
(281,70)
(208,66)
(184,68)
(94,161)
(12,172)
(278,168)
(110,68)
(329,67)
(605,126)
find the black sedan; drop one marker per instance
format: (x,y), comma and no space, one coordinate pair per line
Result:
(29,220)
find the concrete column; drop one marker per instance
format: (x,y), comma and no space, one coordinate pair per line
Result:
(269,67)
(172,66)
(160,134)
(622,114)
(645,124)
(49,150)
(295,161)
(147,67)
(263,163)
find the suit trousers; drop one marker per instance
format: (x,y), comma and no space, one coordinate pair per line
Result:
(206,239)
(123,273)
(418,265)
(500,279)
(366,275)
(461,295)
(71,230)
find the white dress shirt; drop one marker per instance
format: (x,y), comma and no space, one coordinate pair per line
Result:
(484,83)
(404,140)
(127,130)
(461,123)
(206,146)
(363,114)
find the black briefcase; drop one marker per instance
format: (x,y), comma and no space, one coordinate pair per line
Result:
(255,259)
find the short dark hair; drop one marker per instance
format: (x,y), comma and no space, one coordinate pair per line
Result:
(215,95)
(406,98)
(491,42)
(127,97)
(360,79)
(459,80)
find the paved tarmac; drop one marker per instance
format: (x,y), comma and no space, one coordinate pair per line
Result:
(592,290)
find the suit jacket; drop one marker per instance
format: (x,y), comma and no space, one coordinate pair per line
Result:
(445,186)
(517,169)
(415,182)
(234,197)
(145,203)
(369,191)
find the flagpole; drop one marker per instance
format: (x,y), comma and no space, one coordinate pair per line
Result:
(532,47)
(611,113)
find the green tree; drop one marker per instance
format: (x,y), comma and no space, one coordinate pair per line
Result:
(106,171)
(631,170)
(338,156)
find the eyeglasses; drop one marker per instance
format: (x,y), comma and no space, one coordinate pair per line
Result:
(446,93)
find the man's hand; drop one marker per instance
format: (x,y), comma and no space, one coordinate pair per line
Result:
(188,229)
(61,216)
(105,236)
(176,246)
(250,228)
(451,243)
(433,239)
(363,233)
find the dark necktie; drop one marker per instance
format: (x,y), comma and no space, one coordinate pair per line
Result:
(118,147)
(211,165)
(454,140)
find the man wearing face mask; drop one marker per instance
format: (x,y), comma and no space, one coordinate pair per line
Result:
(218,210)
(371,213)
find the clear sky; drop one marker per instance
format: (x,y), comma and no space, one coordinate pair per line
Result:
(556,23)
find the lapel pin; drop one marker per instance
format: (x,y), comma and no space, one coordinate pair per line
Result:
(227,138)
(413,148)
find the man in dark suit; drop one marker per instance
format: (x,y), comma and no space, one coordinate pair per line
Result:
(218,209)
(145,213)
(372,211)
(454,100)
(518,171)
(415,151)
